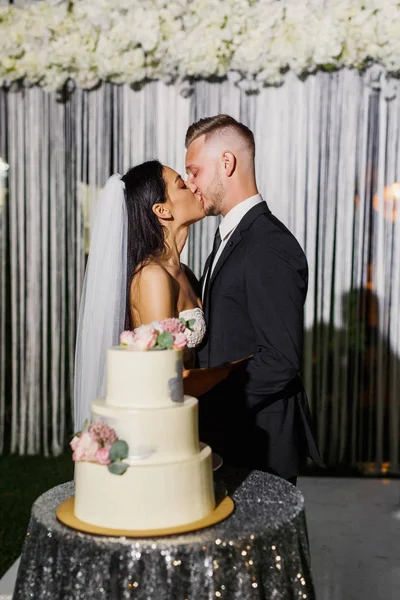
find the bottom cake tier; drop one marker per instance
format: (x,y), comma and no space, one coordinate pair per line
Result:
(145,497)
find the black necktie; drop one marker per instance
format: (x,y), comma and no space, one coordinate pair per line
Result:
(216,245)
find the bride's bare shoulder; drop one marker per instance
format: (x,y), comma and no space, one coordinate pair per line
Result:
(152,295)
(151,276)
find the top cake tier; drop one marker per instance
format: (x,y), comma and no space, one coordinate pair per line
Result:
(144,379)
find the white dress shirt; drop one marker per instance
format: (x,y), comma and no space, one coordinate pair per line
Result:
(230,222)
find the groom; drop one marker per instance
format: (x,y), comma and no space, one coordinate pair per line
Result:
(253,287)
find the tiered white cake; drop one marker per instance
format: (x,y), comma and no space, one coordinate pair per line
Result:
(169,480)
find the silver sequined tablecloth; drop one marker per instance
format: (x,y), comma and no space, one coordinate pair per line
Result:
(259,552)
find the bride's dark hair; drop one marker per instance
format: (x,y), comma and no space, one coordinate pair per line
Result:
(144,187)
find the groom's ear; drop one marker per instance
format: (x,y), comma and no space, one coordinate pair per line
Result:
(162,211)
(228,160)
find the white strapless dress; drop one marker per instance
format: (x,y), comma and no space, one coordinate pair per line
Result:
(196,334)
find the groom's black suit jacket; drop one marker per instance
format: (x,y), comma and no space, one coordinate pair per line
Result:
(259,417)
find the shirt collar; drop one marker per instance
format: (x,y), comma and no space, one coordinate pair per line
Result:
(236,214)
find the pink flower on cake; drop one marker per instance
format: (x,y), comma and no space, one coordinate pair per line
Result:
(102,455)
(85,448)
(180,341)
(159,335)
(103,433)
(74,442)
(173,326)
(99,443)
(145,337)
(127,338)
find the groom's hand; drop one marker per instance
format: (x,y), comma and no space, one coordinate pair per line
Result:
(197,382)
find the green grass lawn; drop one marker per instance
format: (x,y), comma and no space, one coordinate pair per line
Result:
(22,480)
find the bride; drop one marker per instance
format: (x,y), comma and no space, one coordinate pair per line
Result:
(134,276)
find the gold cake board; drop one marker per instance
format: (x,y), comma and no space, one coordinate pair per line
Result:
(65,514)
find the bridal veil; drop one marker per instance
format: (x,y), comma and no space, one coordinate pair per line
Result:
(103,301)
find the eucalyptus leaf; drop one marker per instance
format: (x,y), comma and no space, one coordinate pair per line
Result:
(190,323)
(118,450)
(117,467)
(165,340)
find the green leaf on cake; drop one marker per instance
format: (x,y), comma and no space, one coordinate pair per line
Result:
(117,468)
(165,340)
(118,451)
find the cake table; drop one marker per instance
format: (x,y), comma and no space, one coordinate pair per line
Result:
(259,552)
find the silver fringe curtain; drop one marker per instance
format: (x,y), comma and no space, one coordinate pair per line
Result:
(328,164)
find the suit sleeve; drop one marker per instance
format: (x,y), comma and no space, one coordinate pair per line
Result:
(276,285)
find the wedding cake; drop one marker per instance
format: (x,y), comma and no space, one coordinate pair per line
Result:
(139,464)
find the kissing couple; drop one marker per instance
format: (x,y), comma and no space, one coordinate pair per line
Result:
(244,351)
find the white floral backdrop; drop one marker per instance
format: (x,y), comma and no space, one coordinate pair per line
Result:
(128,41)
(327,163)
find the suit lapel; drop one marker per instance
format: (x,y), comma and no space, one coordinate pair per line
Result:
(230,246)
(233,241)
(206,266)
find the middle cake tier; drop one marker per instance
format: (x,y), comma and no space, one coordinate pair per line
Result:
(154,435)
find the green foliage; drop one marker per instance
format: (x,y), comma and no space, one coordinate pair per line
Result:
(118,451)
(117,467)
(189,324)
(165,340)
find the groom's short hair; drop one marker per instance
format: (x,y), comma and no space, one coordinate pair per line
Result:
(214,125)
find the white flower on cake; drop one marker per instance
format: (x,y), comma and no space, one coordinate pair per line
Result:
(143,338)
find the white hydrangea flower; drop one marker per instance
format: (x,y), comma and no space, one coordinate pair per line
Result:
(387,50)
(252,55)
(50,41)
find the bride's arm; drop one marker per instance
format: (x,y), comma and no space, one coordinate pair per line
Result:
(197,382)
(152,296)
